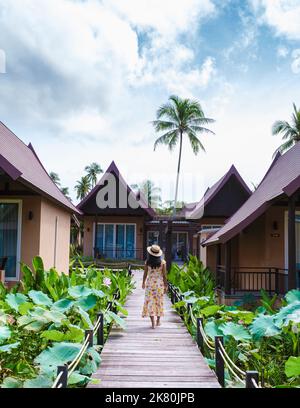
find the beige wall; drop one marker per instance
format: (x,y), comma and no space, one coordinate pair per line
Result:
(38,234)
(55,236)
(30,232)
(260,244)
(89,230)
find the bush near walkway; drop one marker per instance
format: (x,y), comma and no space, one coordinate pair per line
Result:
(265,339)
(43,318)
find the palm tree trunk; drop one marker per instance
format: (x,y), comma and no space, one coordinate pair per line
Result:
(178,171)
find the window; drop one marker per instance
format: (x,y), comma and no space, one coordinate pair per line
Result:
(116,240)
(10,216)
(152,237)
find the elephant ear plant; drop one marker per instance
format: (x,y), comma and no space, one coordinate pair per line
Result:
(264,336)
(42,326)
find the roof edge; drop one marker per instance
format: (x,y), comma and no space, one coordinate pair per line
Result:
(11,170)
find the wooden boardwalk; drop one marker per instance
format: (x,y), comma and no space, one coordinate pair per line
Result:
(142,357)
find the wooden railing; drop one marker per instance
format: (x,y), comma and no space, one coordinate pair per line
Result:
(216,348)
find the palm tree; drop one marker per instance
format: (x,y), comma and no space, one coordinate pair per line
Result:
(176,118)
(65,191)
(92,172)
(291,132)
(168,207)
(55,178)
(150,192)
(82,187)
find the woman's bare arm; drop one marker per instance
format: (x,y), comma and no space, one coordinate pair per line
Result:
(145,276)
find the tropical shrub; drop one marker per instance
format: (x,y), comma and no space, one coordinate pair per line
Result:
(265,338)
(42,325)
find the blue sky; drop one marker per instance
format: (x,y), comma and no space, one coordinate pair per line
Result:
(84,79)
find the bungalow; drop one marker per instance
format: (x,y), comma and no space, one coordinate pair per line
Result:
(34,213)
(259,246)
(123,230)
(196,220)
(114,219)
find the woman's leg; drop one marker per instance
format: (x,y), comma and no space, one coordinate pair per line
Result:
(158,321)
(152,321)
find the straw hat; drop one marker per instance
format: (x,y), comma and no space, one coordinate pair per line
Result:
(154,250)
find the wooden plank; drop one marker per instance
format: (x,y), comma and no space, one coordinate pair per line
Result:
(142,357)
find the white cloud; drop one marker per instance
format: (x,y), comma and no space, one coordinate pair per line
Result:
(282,52)
(296,61)
(282,15)
(168,18)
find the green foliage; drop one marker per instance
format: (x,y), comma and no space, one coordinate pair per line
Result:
(192,276)
(43,325)
(257,335)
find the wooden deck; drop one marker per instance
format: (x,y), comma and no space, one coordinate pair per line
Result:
(142,357)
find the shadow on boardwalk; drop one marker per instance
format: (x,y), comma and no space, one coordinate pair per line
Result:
(142,357)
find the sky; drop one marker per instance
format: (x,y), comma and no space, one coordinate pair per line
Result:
(82,80)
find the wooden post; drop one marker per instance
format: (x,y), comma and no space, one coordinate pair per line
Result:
(169,245)
(291,244)
(228,267)
(100,331)
(220,366)
(199,335)
(95,238)
(64,378)
(89,334)
(251,375)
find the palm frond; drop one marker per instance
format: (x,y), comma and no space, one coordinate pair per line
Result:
(167,139)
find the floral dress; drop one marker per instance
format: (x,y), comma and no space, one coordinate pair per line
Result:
(154,292)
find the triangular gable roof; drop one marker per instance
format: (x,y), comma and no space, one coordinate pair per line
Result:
(211,192)
(114,170)
(283,177)
(21,163)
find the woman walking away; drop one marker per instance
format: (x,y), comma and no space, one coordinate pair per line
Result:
(155,282)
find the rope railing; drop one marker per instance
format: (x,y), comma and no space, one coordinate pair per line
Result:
(222,359)
(65,372)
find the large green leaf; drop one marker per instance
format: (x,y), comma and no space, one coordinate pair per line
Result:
(54,335)
(263,326)
(58,354)
(76,378)
(281,317)
(8,347)
(25,307)
(293,296)
(292,367)
(85,318)
(210,310)
(87,303)
(15,300)
(63,305)
(37,263)
(10,382)
(237,331)
(42,381)
(5,333)
(74,333)
(40,298)
(111,316)
(79,291)
(99,293)
(212,329)
(90,362)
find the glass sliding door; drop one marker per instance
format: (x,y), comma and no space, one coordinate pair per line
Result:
(130,241)
(9,237)
(179,246)
(115,240)
(109,241)
(120,241)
